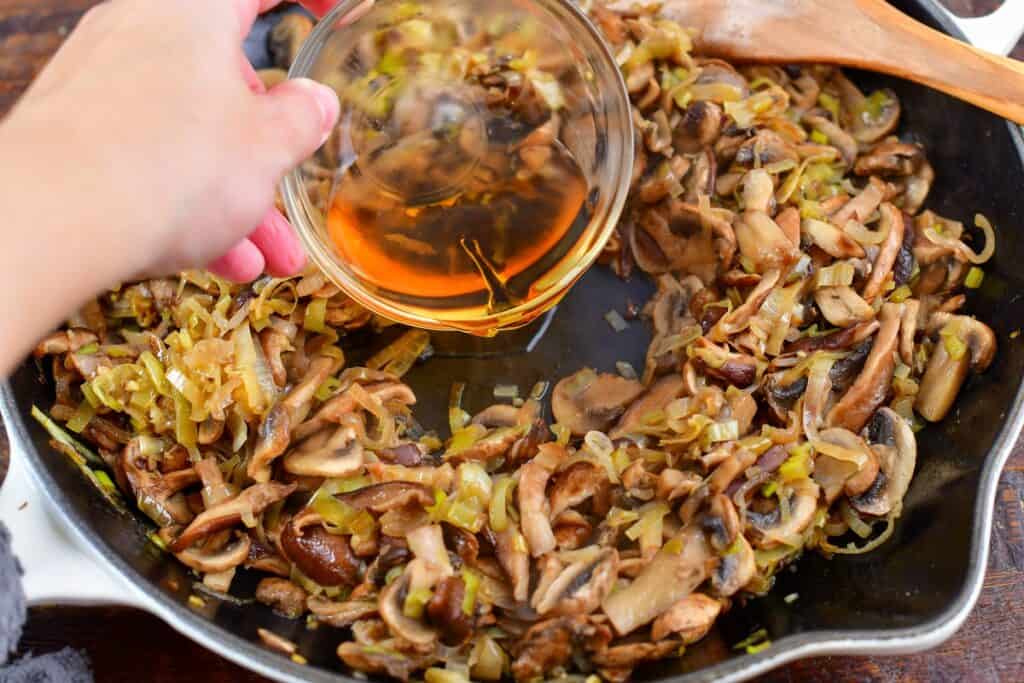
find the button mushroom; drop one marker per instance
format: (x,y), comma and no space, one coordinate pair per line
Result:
(216,561)
(773,530)
(679,567)
(893,441)
(963,343)
(391,608)
(588,401)
(283,596)
(691,618)
(337,454)
(580,587)
(873,384)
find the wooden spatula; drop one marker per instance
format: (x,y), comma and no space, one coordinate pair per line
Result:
(865,34)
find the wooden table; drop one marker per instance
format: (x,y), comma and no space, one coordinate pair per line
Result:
(127,645)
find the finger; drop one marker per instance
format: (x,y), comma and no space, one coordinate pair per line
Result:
(297,118)
(243,263)
(252,79)
(279,244)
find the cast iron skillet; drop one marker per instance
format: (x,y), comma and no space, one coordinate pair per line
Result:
(908,595)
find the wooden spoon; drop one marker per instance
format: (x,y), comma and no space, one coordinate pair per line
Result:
(865,34)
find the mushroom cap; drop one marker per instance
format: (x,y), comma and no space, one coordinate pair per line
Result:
(228,557)
(390,607)
(324,557)
(587,401)
(340,456)
(896,447)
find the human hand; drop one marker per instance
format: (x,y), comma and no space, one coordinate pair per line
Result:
(166,140)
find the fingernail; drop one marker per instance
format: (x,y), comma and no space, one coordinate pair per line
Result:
(327,100)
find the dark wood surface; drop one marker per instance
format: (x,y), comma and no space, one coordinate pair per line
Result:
(130,646)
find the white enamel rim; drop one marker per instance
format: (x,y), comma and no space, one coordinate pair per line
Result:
(83,577)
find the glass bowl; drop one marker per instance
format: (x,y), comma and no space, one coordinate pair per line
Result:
(436,95)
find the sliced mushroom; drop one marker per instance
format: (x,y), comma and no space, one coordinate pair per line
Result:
(534,508)
(617,662)
(338,455)
(283,596)
(375,659)
(873,384)
(700,127)
(274,343)
(773,530)
(908,330)
(380,498)
(834,341)
(721,522)
(837,137)
(245,506)
(157,494)
(842,306)
(836,476)
(893,441)
(576,484)
(341,614)
(221,560)
(763,243)
(892,225)
(691,618)
(390,606)
(830,239)
(862,206)
(274,437)
(588,401)
(975,344)
(445,611)
(739,318)
(890,158)
(324,557)
(549,644)
(581,587)
(660,394)
(870,126)
(515,561)
(736,568)
(917,187)
(672,575)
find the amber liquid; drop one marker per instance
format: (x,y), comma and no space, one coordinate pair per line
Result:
(485,245)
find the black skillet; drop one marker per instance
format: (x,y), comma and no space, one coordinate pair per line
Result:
(910,594)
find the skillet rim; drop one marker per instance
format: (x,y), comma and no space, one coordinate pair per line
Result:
(790,648)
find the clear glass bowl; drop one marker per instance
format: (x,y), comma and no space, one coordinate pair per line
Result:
(547,47)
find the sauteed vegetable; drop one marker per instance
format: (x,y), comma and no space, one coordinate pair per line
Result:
(808,319)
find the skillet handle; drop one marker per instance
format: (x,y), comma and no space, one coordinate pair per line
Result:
(997,32)
(57,568)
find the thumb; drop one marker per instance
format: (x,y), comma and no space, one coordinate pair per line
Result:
(297,117)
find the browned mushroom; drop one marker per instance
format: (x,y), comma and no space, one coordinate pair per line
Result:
(835,475)
(380,498)
(830,239)
(699,128)
(660,394)
(892,225)
(908,330)
(738,319)
(549,644)
(772,529)
(736,568)
(324,557)
(575,484)
(672,575)
(862,206)
(581,586)
(763,243)
(893,441)
(337,454)
(341,614)
(837,137)
(274,437)
(872,386)
(274,343)
(246,505)
(963,343)
(616,663)
(514,560)
(534,508)
(157,495)
(721,522)
(283,596)
(691,618)
(215,561)
(390,606)
(842,306)
(588,401)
